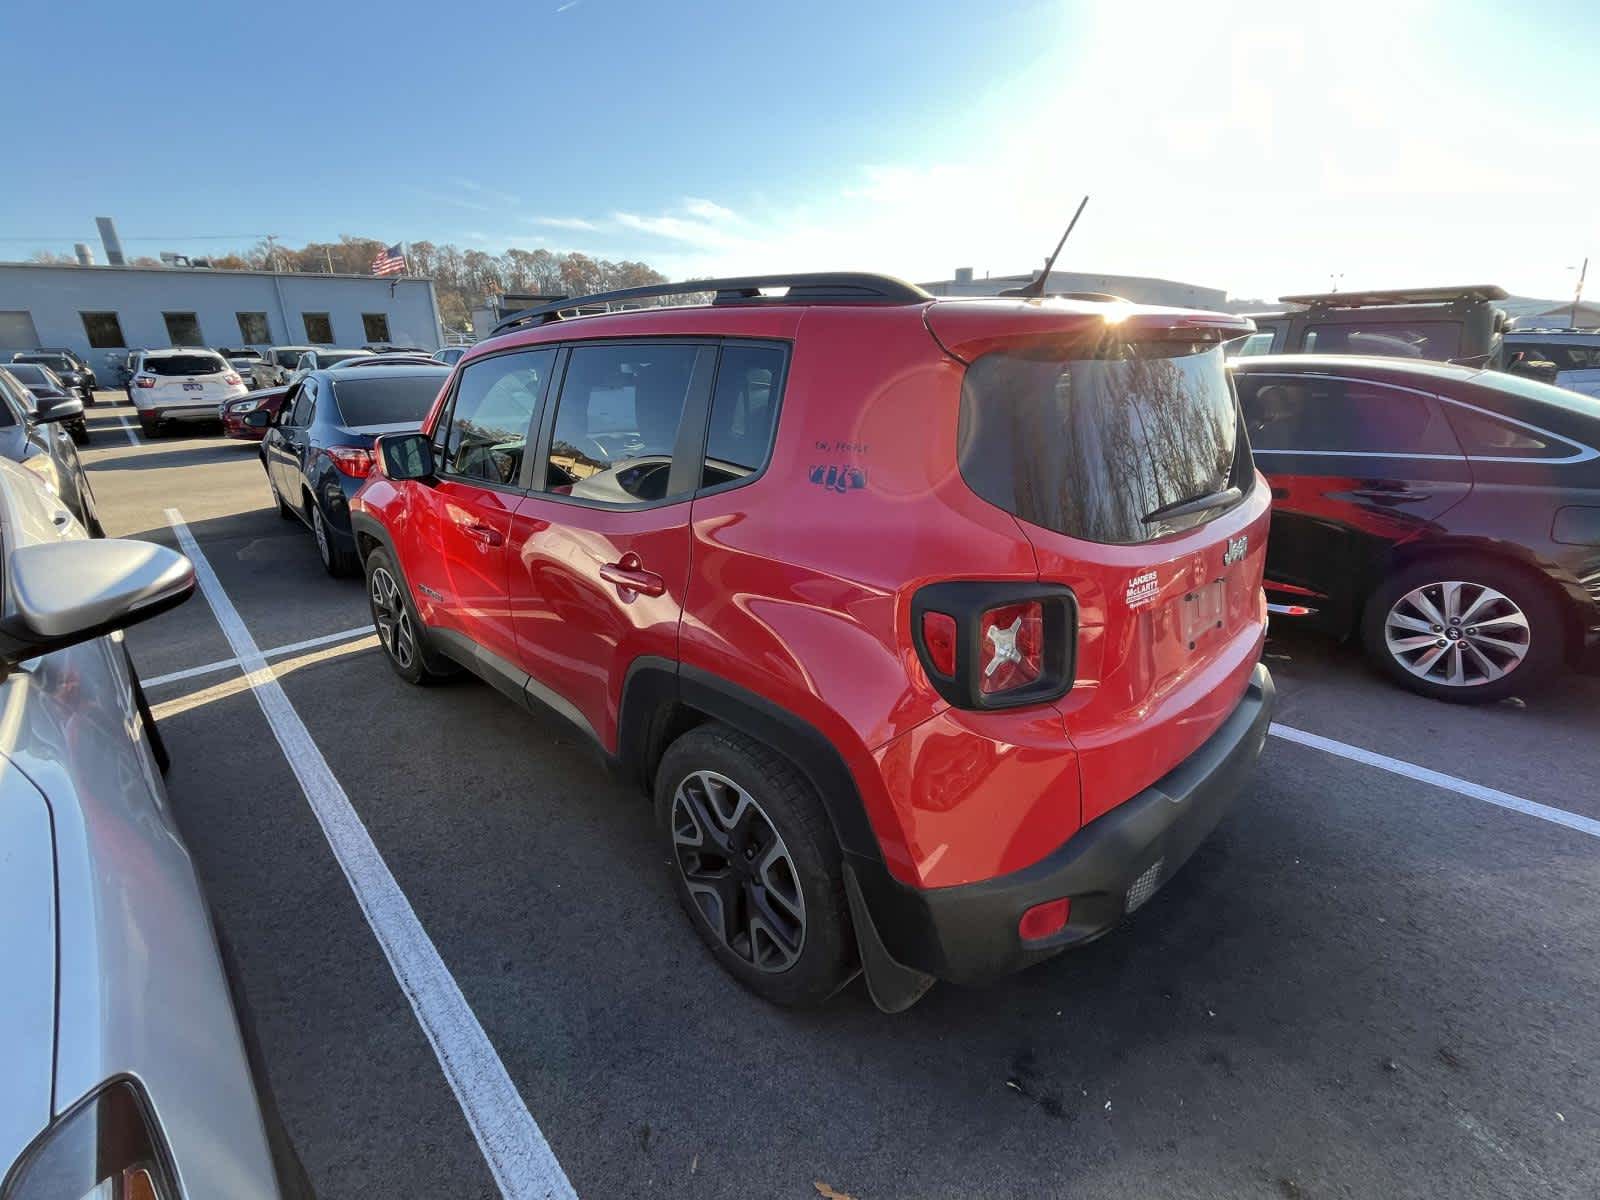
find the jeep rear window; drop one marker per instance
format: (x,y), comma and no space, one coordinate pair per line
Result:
(1438,340)
(1091,446)
(185,364)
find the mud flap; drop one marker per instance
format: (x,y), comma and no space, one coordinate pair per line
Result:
(893,986)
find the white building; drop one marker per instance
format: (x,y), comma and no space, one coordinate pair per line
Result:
(102,312)
(1137,288)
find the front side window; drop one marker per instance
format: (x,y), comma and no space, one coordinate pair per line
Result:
(617,421)
(375,326)
(1098,445)
(1290,413)
(303,404)
(183,328)
(253,328)
(319,328)
(489,425)
(1436,340)
(103,330)
(743,407)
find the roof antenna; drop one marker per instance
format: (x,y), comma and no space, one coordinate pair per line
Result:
(1035,287)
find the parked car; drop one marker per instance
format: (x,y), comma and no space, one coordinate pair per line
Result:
(126,1073)
(1444,324)
(317,446)
(233,412)
(46,387)
(933,626)
(1449,516)
(71,370)
(276,365)
(33,434)
(1574,353)
(243,360)
(322,358)
(181,386)
(450,355)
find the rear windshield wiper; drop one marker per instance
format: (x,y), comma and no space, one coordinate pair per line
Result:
(1197,504)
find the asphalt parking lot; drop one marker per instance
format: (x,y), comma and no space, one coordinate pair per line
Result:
(1364,984)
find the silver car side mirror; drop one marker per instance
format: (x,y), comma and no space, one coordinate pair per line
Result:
(61,593)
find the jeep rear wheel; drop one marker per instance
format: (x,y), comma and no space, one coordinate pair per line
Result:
(756,865)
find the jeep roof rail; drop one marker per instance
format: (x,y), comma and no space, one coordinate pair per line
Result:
(1433,295)
(842,286)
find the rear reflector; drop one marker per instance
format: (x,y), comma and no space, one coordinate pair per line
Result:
(1145,886)
(1010,647)
(1042,920)
(939,636)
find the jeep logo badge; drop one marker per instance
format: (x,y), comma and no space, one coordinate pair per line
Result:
(1236,548)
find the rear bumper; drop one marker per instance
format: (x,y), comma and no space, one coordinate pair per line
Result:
(179,412)
(968,933)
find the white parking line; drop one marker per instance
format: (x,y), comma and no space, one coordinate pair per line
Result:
(1438,779)
(518,1155)
(227,664)
(133,437)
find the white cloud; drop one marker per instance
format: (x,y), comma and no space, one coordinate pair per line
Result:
(563,222)
(707,210)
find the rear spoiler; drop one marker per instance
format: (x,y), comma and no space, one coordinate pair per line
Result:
(969,329)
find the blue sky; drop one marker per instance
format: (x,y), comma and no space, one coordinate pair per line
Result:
(1261,148)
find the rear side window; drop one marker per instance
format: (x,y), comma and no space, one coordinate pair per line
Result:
(616,426)
(1484,436)
(743,406)
(1303,413)
(185,364)
(385,400)
(1091,447)
(489,425)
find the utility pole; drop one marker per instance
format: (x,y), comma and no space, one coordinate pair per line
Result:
(1577,296)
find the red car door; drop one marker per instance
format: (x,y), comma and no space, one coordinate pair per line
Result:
(600,545)
(480,445)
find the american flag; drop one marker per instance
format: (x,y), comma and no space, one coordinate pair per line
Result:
(389,262)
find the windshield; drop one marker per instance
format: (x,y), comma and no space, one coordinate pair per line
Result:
(385,400)
(185,364)
(1092,447)
(247,356)
(56,362)
(33,374)
(326,358)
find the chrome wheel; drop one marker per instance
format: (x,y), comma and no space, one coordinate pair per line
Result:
(1457,633)
(321,532)
(393,619)
(738,870)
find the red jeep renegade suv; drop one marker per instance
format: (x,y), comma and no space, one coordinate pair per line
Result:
(933,626)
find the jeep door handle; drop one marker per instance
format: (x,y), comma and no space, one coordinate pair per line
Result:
(486,534)
(629,575)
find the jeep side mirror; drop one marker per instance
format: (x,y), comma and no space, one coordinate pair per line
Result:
(406,456)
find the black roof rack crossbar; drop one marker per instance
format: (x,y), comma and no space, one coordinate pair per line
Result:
(1379,297)
(814,286)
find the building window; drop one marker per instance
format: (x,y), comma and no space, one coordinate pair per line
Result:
(183,329)
(319,329)
(17,331)
(376,326)
(253,329)
(103,330)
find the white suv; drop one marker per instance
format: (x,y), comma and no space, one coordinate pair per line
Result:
(181,385)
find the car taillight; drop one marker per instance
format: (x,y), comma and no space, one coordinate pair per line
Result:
(996,644)
(351,460)
(1010,647)
(230,380)
(144,381)
(1042,920)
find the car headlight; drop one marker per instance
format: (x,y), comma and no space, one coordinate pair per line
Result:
(105,1148)
(243,406)
(44,467)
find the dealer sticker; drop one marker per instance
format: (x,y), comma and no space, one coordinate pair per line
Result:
(1142,589)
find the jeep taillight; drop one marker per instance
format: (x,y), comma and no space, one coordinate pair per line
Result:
(996,645)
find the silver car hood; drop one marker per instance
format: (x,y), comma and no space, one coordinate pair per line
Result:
(28,933)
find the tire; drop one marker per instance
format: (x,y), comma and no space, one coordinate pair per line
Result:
(804,950)
(285,511)
(419,665)
(336,561)
(1526,637)
(150,425)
